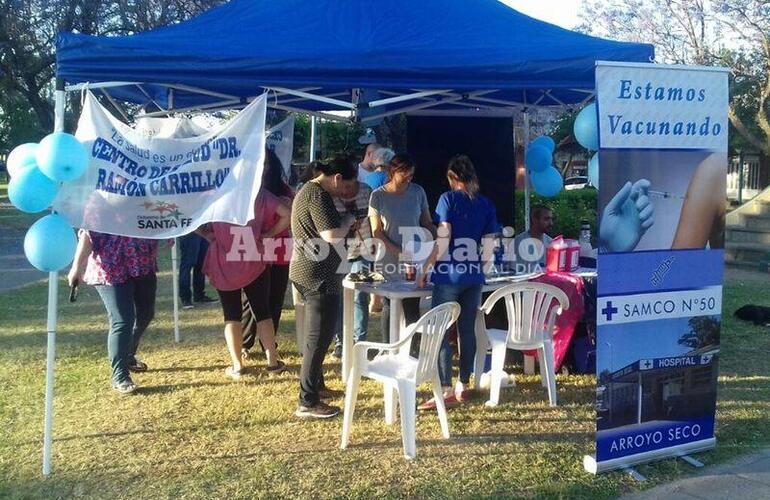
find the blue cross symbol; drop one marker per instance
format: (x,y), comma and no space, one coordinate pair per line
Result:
(609,310)
(646,364)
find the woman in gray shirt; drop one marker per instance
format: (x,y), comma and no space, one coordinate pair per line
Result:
(397,210)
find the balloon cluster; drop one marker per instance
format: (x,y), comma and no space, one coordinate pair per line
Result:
(586,130)
(36,172)
(546,178)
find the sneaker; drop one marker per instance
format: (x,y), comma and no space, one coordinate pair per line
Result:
(245,354)
(326,393)
(205,299)
(337,353)
(124,386)
(233,373)
(137,365)
(187,304)
(318,410)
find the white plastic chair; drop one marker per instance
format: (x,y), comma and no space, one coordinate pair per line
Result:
(532,310)
(401,371)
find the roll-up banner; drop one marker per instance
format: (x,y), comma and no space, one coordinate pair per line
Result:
(661,204)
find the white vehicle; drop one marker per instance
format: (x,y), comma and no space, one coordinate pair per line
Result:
(578,182)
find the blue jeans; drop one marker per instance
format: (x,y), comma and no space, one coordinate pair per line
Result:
(130,308)
(360,309)
(192,253)
(469,298)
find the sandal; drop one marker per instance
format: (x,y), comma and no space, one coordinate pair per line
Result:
(449,402)
(277,368)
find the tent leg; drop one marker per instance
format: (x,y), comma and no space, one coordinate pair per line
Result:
(53,302)
(175,286)
(312,138)
(526,173)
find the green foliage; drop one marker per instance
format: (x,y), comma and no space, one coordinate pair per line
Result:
(569,209)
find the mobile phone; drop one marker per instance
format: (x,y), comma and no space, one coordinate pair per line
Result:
(74,291)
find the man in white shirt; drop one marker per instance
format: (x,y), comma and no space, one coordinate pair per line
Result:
(530,246)
(367,166)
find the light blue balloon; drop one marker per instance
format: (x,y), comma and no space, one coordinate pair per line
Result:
(21,158)
(538,158)
(31,191)
(50,243)
(547,183)
(62,157)
(544,140)
(593,170)
(586,128)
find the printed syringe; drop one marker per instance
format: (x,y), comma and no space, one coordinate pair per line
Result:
(663,194)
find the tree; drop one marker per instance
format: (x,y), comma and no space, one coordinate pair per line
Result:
(28,30)
(704,331)
(733,33)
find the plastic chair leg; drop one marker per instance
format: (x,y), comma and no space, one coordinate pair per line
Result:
(407,400)
(542,363)
(438,395)
(481,349)
(496,379)
(551,376)
(351,395)
(390,403)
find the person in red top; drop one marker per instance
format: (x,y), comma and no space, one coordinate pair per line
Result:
(277,253)
(235,264)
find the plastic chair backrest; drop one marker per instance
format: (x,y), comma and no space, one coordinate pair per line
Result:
(531,309)
(432,327)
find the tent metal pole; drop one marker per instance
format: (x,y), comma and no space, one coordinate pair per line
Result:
(312,138)
(405,97)
(53,303)
(206,107)
(318,114)
(98,85)
(175,287)
(314,97)
(175,257)
(115,105)
(526,173)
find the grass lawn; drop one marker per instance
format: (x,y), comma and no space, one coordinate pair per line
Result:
(190,432)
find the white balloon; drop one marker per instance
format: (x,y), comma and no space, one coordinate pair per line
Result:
(21,158)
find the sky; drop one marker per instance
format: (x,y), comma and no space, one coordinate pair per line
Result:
(563,13)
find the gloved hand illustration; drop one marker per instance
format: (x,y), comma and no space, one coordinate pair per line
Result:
(626,218)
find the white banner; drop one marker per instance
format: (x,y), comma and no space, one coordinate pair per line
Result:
(164,187)
(654,106)
(280,139)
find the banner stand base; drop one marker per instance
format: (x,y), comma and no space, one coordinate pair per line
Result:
(634,474)
(695,463)
(592,466)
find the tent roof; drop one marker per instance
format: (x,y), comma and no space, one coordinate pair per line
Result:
(473,52)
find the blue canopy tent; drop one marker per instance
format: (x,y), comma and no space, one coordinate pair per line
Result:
(367,59)
(322,55)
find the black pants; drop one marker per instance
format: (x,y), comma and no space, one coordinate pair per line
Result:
(320,320)
(279,281)
(256,294)
(411,315)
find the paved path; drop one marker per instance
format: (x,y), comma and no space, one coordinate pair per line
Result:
(747,477)
(15,271)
